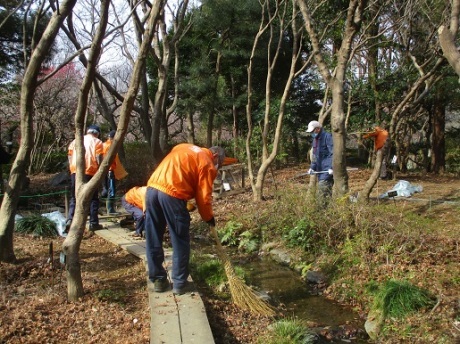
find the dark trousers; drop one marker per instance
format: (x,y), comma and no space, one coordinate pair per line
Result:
(109,190)
(324,191)
(94,205)
(162,210)
(136,213)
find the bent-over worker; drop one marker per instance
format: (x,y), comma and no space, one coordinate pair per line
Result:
(187,172)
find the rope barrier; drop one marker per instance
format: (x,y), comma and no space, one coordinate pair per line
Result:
(60,193)
(42,195)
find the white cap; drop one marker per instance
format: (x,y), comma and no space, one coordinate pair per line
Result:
(312,126)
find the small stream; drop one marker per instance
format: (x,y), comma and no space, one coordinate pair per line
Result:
(286,287)
(298,299)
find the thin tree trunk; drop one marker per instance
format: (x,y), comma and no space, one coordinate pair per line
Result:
(438,141)
(190,128)
(20,164)
(370,183)
(84,191)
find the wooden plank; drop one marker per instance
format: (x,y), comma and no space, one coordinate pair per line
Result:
(164,320)
(194,324)
(117,216)
(174,319)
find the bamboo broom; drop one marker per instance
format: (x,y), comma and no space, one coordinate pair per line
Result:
(242,295)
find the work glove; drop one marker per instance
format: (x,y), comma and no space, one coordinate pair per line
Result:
(310,171)
(212,222)
(330,171)
(190,206)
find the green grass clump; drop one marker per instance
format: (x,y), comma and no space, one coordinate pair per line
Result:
(288,332)
(211,271)
(37,225)
(110,295)
(399,298)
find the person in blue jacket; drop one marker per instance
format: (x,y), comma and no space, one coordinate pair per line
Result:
(322,146)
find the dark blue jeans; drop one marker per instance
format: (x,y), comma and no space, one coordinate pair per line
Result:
(162,210)
(136,213)
(109,190)
(94,205)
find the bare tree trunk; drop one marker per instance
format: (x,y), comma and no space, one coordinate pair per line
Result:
(370,183)
(447,38)
(438,141)
(273,51)
(84,191)
(372,63)
(235,129)
(190,128)
(336,82)
(339,135)
(162,58)
(20,164)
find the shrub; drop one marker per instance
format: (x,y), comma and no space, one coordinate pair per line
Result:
(229,233)
(37,225)
(248,242)
(302,235)
(138,163)
(288,332)
(398,298)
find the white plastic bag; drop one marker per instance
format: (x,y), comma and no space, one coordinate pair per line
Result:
(59,220)
(403,189)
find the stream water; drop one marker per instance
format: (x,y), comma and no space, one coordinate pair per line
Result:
(286,287)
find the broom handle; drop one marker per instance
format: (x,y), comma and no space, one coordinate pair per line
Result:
(230,271)
(216,237)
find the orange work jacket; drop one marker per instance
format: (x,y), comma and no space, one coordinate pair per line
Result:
(229,161)
(381,136)
(187,172)
(116,166)
(93,149)
(136,196)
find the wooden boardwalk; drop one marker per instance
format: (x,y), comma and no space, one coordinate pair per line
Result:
(174,319)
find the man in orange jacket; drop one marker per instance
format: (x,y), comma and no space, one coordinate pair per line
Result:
(116,172)
(93,158)
(380,136)
(187,172)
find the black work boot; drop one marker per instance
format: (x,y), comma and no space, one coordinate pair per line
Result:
(95,227)
(160,285)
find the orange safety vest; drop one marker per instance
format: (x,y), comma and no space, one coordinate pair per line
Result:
(136,196)
(187,172)
(93,149)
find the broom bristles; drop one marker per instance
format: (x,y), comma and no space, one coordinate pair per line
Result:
(242,295)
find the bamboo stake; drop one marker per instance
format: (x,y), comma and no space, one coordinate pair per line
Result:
(242,295)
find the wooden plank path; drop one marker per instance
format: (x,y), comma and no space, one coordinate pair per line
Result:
(174,319)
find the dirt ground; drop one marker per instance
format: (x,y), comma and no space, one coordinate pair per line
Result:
(33,303)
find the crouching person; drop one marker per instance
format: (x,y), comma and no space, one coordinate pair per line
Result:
(134,203)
